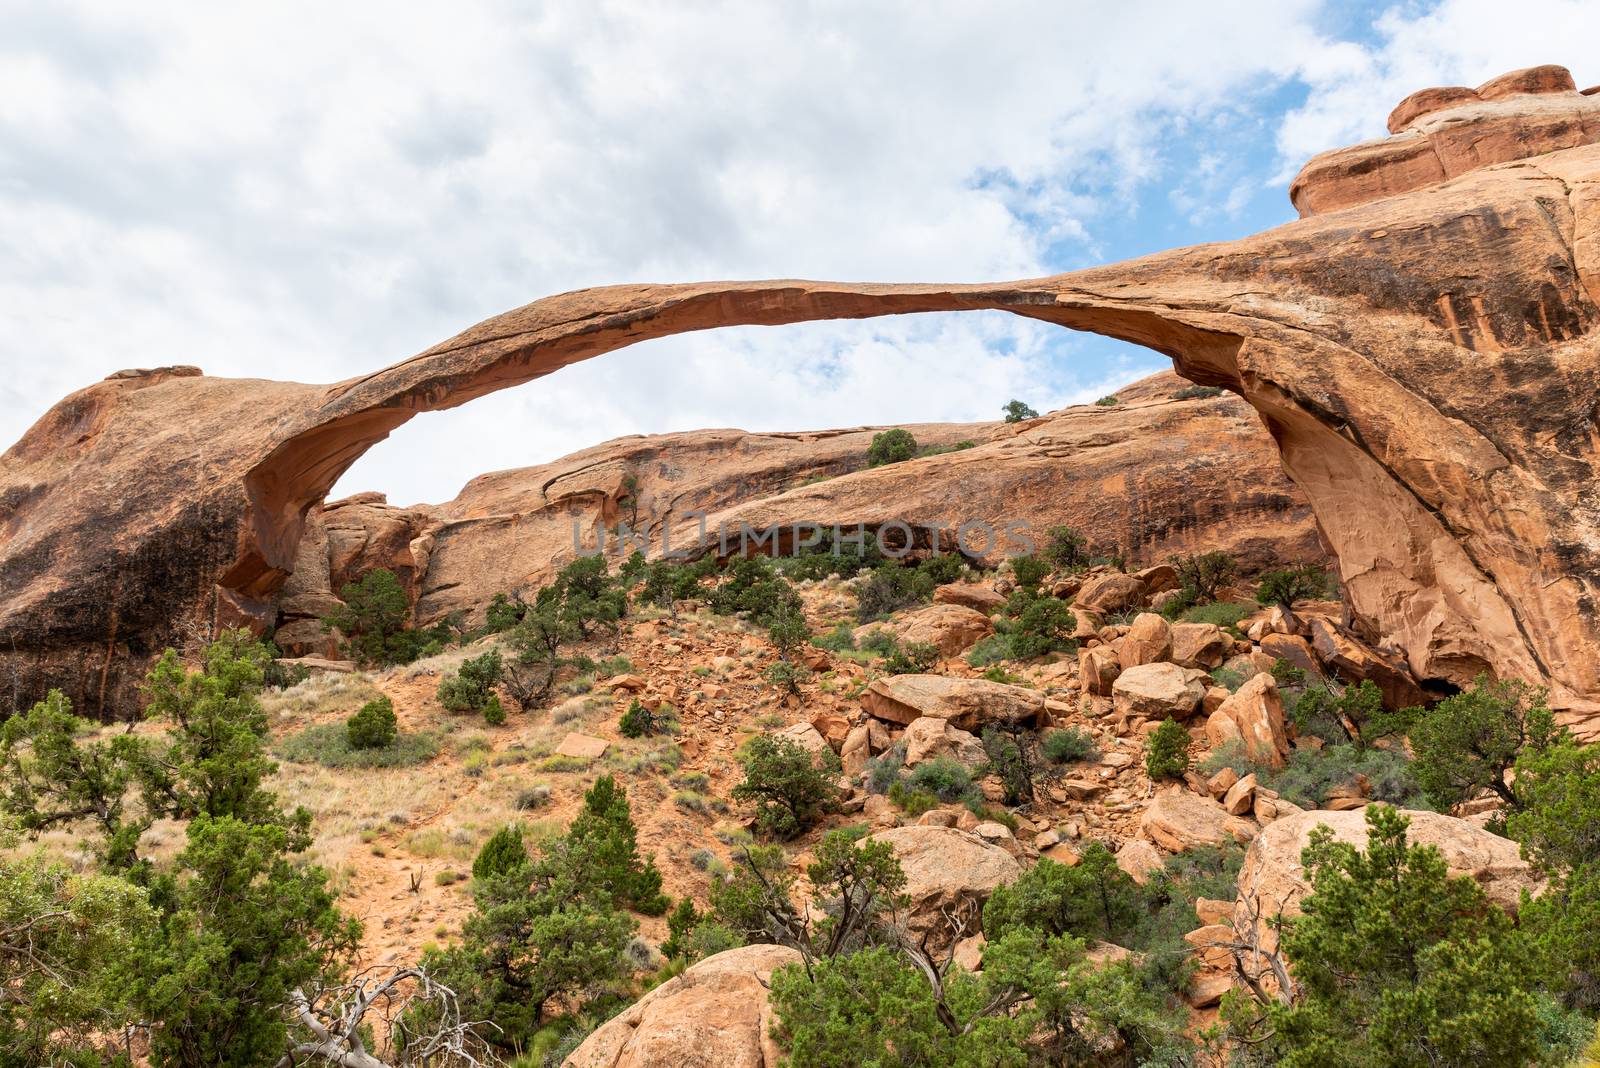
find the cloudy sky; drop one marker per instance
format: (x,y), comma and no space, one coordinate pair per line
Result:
(312,191)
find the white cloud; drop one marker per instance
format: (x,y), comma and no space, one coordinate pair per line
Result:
(311,191)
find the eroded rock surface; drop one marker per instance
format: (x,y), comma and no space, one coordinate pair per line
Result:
(714,1015)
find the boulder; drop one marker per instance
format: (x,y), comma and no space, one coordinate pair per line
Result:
(1240,800)
(1140,860)
(1355,661)
(948,871)
(1110,592)
(1156,691)
(1200,645)
(583,746)
(833,727)
(1148,641)
(929,738)
(1098,669)
(1158,579)
(807,735)
(1253,716)
(1295,651)
(1178,820)
(967,703)
(1272,871)
(950,628)
(714,1015)
(978,596)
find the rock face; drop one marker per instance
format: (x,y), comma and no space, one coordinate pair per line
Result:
(1421,347)
(950,628)
(948,872)
(714,1015)
(1273,874)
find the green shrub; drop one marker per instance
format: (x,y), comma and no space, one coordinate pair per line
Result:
(504,852)
(889,588)
(884,769)
(469,689)
(879,642)
(1300,583)
(1225,614)
(1069,745)
(1029,570)
(913,801)
(1110,400)
(942,568)
(494,713)
(372,621)
(503,613)
(1067,550)
(914,658)
(1093,899)
(1044,625)
(946,778)
(790,788)
(841,639)
(1197,393)
(1166,753)
(642,722)
(1016,411)
(990,650)
(328,744)
(373,727)
(1399,963)
(1467,742)
(891,447)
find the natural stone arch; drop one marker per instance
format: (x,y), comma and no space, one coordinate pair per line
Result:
(1426,362)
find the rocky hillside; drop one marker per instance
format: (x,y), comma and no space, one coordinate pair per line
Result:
(1151,477)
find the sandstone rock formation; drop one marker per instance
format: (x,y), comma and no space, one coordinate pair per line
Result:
(1421,347)
(969,704)
(714,1015)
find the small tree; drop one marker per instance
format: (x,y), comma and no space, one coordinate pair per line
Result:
(503,613)
(1166,753)
(470,688)
(1467,742)
(603,843)
(536,659)
(1028,570)
(1010,752)
(1203,575)
(1067,550)
(1304,582)
(1558,824)
(791,789)
(1397,963)
(373,614)
(639,721)
(67,943)
(502,854)
(891,447)
(1016,412)
(1044,625)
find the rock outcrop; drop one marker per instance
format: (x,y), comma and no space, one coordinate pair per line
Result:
(1421,347)
(949,875)
(714,1015)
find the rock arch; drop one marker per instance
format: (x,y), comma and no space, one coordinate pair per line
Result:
(1425,359)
